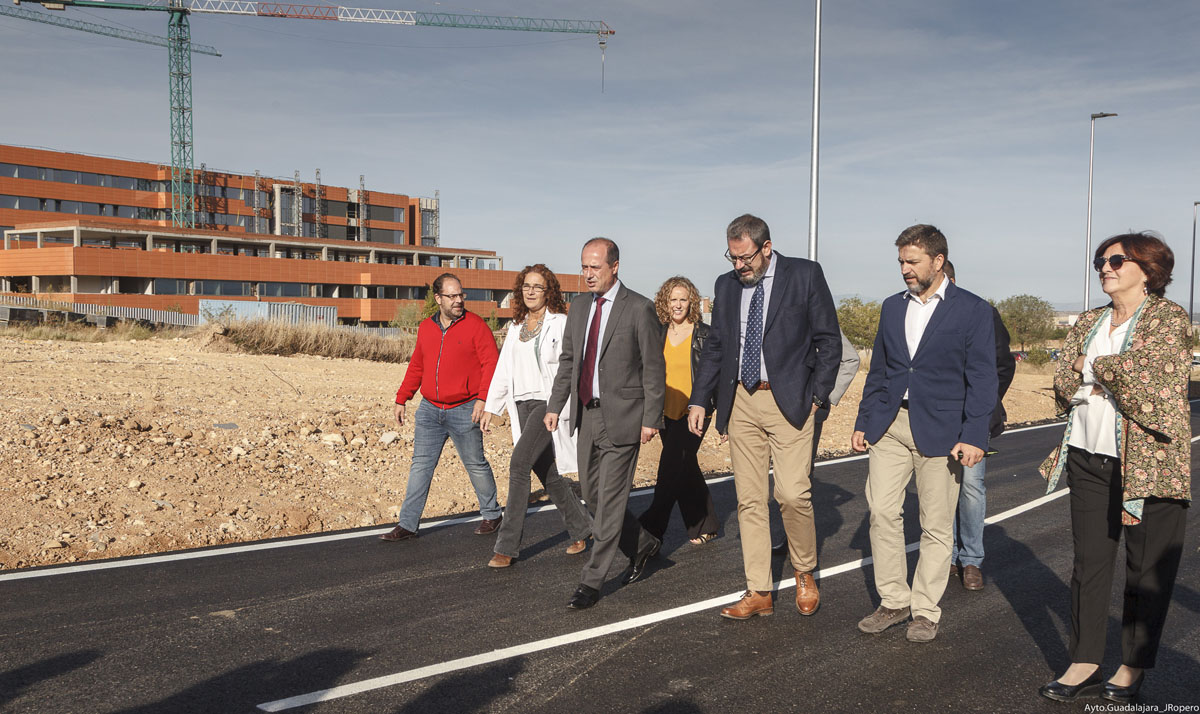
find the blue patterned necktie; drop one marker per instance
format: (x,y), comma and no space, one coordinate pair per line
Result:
(752,347)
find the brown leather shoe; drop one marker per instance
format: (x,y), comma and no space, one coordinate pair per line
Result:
(487,526)
(972,578)
(500,561)
(397,534)
(954,570)
(921,629)
(882,618)
(752,603)
(808,598)
(577,547)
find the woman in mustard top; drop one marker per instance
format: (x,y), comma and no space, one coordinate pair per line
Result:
(679,477)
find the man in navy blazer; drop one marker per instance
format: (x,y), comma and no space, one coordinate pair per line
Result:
(925,409)
(771,357)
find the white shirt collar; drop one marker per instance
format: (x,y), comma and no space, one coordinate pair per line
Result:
(940,293)
(611,295)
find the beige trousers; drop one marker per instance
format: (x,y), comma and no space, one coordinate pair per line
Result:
(758,433)
(893,461)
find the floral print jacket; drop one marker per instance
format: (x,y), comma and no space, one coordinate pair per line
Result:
(1150,386)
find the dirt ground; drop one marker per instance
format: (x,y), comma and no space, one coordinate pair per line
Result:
(123,448)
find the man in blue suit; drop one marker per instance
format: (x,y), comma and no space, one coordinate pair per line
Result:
(925,409)
(771,357)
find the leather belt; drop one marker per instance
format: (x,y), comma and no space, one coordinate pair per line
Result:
(593,403)
(765,386)
(904,404)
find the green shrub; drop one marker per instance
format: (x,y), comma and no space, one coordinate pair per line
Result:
(1038,356)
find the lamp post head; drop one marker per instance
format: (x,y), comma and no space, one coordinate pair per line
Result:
(1101,115)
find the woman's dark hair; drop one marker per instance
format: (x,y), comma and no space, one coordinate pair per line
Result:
(1152,255)
(554,297)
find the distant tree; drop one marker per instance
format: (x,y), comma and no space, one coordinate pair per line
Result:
(859,320)
(493,322)
(407,315)
(1029,319)
(431,306)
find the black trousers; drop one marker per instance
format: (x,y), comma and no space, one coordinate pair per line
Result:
(1152,552)
(680,481)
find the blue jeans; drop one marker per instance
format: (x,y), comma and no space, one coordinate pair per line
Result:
(432,426)
(972,509)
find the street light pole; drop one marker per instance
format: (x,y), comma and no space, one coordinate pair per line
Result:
(1087,255)
(816,132)
(1192,286)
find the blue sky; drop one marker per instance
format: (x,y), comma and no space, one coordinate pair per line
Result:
(971,116)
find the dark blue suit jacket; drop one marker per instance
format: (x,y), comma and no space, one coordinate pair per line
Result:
(802,346)
(951,383)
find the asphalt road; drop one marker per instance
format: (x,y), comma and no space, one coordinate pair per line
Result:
(425,626)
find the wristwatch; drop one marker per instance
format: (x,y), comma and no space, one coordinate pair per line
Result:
(821,403)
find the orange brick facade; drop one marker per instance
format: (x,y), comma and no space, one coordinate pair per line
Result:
(142,262)
(214,195)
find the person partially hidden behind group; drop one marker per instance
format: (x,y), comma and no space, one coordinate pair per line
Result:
(520,386)
(1123,377)
(680,480)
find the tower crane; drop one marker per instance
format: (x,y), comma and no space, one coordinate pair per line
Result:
(180,49)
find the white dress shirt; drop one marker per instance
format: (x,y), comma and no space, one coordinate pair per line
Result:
(610,299)
(916,319)
(1094,420)
(527,382)
(768,280)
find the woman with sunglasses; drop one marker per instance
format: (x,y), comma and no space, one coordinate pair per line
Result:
(680,480)
(521,385)
(1123,379)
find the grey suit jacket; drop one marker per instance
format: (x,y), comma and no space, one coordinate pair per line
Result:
(633,376)
(846,371)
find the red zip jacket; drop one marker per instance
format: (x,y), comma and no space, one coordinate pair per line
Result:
(451,367)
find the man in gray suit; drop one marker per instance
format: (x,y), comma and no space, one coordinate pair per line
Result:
(612,371)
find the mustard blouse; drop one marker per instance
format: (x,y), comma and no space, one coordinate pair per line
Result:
(679,378)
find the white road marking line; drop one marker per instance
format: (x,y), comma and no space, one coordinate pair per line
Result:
(504,653)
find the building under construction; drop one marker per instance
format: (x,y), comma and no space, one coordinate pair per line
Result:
(97,230)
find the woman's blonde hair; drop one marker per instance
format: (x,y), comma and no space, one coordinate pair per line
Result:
(664,294)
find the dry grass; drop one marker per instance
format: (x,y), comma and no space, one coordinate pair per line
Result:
(277,338)
(83,332)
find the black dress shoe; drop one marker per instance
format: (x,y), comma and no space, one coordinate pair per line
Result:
(637,566)
(1123,695)
(1060,692)
(583,598)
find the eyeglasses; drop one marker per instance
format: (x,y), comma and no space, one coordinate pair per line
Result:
(744,258)
(533,288)
(1116,261)
(452,296)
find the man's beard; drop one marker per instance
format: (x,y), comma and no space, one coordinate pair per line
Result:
(923,285)
(754,278)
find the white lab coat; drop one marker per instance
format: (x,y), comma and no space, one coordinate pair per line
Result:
(500,391)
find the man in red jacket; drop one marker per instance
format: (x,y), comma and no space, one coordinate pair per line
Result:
(452,364)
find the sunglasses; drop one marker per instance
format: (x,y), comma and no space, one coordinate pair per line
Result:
(1116,261)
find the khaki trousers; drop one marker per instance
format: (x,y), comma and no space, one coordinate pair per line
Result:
(893,460)
(758,433)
